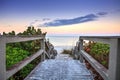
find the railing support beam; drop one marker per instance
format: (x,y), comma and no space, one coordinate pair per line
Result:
(2,59)
(114,60)
(81,48)
(43,48)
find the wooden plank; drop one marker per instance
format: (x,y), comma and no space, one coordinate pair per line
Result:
(60,69)
(104,37)
(47,54)
(42,43)
(81,48)
(114,60)
(96,65)
(2,59)
(102,40)
(23,63)
(12,39)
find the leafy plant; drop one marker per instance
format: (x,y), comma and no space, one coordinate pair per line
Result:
(16,52)
(14,55)
(99,51)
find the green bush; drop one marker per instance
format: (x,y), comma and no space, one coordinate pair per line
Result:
(99,51)
(67,51)
(16,52)
(14,55)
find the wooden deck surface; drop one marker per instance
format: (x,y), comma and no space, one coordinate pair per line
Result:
(61,68)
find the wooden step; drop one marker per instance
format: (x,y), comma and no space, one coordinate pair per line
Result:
(56,69)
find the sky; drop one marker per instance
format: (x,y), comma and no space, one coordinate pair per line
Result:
(64,17)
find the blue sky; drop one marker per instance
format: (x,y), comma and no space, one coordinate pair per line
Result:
(55,8)
(25,12)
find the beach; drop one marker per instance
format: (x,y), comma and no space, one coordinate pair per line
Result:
(63,42)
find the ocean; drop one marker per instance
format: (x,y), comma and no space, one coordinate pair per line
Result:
(68,42)
(63,42)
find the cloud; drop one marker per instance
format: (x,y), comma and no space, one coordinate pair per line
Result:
(40,22)
(46,22)
(45,19)
(102,13)
(60,22)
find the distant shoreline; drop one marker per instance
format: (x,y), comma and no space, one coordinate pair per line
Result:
(77,35)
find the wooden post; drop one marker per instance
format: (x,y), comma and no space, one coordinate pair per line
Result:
(114,60)
(81,48)
(2,59)
(43,48)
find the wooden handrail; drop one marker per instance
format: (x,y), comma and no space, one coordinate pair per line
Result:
(112,73)
(96,65)
(12,39)
(5,74)
(50,52)
(23,63)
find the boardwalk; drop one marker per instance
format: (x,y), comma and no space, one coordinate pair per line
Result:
(61,68)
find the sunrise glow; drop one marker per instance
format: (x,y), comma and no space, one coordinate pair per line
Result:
(61,17)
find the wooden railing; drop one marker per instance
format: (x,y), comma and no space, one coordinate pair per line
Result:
(50,50)
(113,71)
(4,73)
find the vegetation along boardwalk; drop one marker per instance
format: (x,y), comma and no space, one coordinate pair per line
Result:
(61,68)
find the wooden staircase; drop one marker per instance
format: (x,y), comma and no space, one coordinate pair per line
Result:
(61,68)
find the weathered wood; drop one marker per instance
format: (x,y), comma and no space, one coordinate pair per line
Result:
(23,63)
(81,48)
(114,60)
(43,47)
(13,39)
(101,37)
(96,65)
(47,54)
(102,40)
(60,69)
(2,59)
(114,57)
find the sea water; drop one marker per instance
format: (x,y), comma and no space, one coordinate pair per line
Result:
(63,42)
(68,42)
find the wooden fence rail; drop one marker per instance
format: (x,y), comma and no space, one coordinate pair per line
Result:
(113,71)
(5,74)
